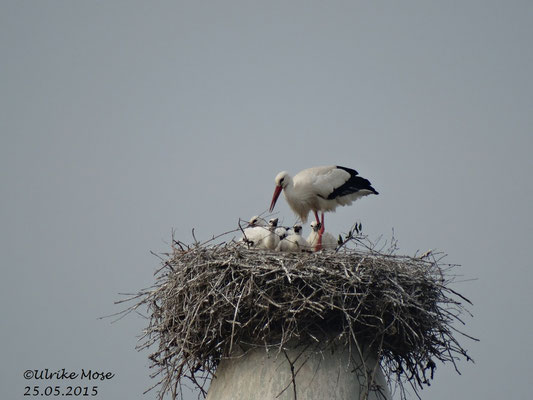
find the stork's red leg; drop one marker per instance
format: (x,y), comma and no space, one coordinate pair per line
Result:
(318,245)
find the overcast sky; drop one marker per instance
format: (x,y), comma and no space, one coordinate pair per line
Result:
(123,120)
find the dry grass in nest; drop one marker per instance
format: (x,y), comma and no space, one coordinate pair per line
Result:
(208,299)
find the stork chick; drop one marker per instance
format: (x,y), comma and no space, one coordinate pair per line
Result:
(318,241)
(269,241)
(294,242)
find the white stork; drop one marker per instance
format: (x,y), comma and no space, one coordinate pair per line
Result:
(263,237)
(320,189)
(327,241)
(282,232)
(294,241)
(256,220)
(255,230)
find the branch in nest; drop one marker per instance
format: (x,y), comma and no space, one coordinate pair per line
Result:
(209,298)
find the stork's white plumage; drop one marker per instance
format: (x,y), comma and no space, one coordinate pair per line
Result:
(264,237)
(294,242)
(255,231)
(318,241)
(256,220)
(254,234)
(320,189)
(282,232)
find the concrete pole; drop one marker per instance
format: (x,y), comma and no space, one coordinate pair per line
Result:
(298,374)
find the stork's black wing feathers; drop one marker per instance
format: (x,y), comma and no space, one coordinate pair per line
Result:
(354,184)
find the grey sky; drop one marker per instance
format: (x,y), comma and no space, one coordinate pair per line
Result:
(120,120)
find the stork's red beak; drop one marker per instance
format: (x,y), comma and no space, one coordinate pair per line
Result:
(277,191)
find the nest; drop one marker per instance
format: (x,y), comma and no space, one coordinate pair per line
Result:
(209,298)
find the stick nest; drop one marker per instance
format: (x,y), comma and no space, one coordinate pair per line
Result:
(208,299)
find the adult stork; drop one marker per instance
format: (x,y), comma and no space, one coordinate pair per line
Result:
(320,189)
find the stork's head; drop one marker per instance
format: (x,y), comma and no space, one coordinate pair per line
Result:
(273,223)
(256,220)
(315,226)
(282,180)
(282,232)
